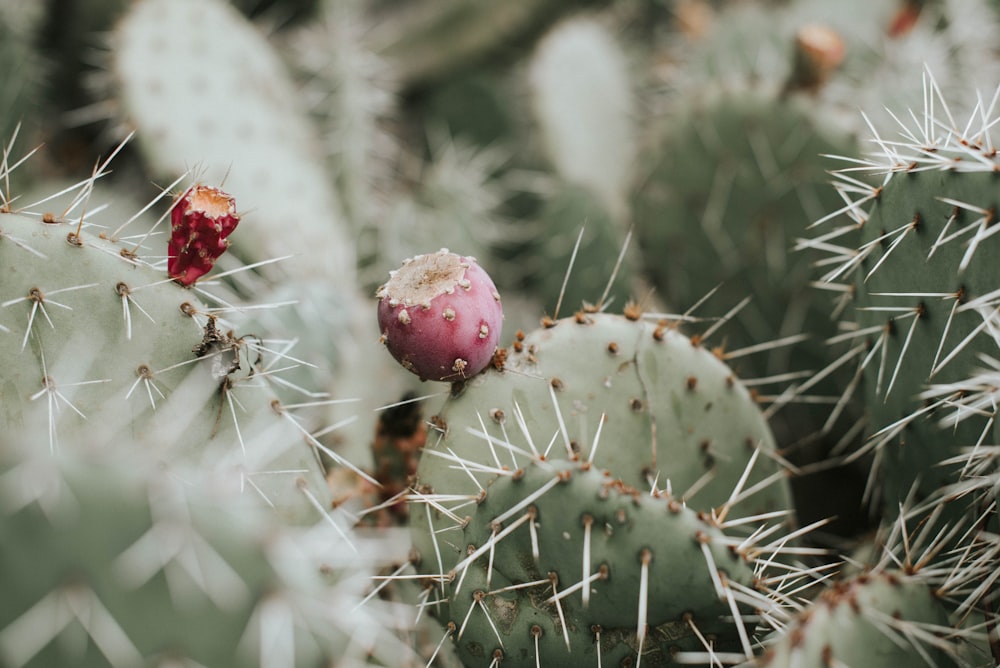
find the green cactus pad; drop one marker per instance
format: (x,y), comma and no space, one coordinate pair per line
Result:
(641,555)
(553,472)
(207,92)
(99,566)
(669,411)
(926,292)
(98,343)
(737,179)
(569,211)
(873,620)
(924,286)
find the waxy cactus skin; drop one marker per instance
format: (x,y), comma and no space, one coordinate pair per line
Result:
(440,316)
(201,220)
(615,487)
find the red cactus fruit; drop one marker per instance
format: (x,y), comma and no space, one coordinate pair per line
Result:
(201,219)
(440,316)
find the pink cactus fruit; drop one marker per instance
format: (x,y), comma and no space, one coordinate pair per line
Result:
(201,219)
(440,316)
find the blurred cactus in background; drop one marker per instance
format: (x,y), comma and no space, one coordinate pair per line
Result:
(739,407)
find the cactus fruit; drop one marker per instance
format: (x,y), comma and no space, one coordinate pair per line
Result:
(440,316)
(201,221)
(591,413)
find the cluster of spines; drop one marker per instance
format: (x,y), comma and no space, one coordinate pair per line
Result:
(745,571)
(923,355)
(141,567)
(881,349)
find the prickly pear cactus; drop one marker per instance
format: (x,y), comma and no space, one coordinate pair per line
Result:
(563,562)
(556,494)
(875,619)
(925,293)
(96,341)
(740,168)
(102,565)
(238,123)
(679,419)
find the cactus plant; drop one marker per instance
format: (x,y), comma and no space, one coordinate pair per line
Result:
(739,170)
(607,489)
(879,619)
(656,390)
(923,286)
(649,410)
(98,341)
(903,597)
(113,566)
(254,134)
(621,575)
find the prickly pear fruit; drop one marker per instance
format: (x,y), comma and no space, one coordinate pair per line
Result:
(201,219)
(440,316)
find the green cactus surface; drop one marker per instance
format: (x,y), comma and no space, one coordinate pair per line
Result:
(98,342)
(617,573)
(875,619)
(101,565)
(675,416)
(634,427)
(924,288)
